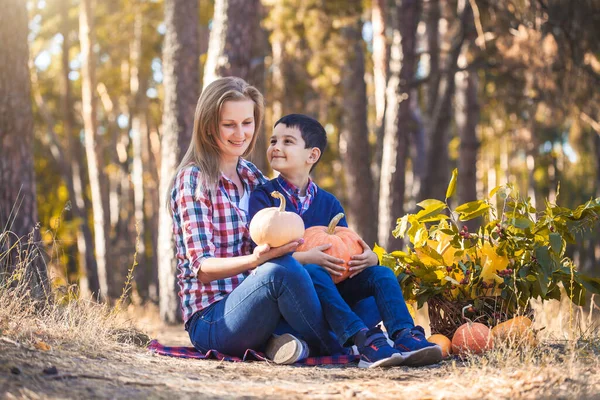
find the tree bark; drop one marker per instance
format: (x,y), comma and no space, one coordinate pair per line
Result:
(467,120)
(231,39)
(19,234)
(354,138)
(433,48)
(94,157)
(380,57)
(88,282)
(398,121)
(438,163)
(181,84)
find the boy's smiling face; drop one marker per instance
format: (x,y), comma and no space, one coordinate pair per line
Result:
(287,153)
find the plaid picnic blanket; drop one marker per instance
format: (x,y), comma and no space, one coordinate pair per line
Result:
(250,355)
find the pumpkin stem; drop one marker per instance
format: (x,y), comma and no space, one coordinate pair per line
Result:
(465,308)
(281,198)
(333,223)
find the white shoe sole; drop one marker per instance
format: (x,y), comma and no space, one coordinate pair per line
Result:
(393,361)
(284,349)
(425,356)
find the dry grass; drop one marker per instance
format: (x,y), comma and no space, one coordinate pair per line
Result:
(91,347)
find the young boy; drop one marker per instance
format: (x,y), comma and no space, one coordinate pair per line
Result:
(295,148)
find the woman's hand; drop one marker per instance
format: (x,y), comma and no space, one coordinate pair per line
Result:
(318,256)
(361,261)
(264,252)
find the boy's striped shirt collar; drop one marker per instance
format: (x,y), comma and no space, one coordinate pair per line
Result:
(293,193)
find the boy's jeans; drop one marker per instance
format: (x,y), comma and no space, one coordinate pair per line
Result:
(338,300)
(246,317)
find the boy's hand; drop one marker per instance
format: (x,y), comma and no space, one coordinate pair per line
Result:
(361,261)
(318,256)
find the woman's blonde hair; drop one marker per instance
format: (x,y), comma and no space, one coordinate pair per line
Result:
(204,150)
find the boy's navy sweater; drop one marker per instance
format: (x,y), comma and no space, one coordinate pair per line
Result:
(322,209)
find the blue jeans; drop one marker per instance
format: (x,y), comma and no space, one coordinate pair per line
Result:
(246,317)
(338,300)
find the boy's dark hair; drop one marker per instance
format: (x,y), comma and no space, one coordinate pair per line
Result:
(312,131)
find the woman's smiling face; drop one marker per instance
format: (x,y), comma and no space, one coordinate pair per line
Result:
(236,128)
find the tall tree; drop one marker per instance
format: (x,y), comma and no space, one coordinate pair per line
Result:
(73,175)
(399,122)
(94,156)
(438,163)
(380,56)
(231,39)
(19,235)
(467,118)
(354,135)
(181,84)
(237,47)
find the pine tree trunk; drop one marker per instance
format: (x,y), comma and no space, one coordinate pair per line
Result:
(381,52)
(354,138)
(380,56)
(181,85)
(94,156)
(433,47)
(231,39)
(139,132)
(398,121)
(88,282)
(467,120)
(18,208)
(437,171)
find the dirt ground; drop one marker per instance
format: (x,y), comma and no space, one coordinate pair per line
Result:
(131,372)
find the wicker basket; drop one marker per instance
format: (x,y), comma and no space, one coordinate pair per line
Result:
(445,316)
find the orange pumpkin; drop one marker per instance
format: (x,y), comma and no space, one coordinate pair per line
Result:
(515,331)
(471,338)
(275,226)
(443,342)
(345,243)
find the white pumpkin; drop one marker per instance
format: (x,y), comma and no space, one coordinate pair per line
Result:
(275,226)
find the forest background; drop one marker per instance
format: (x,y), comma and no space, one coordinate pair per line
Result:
(97,101)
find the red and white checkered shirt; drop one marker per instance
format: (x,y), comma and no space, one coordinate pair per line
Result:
(209,224)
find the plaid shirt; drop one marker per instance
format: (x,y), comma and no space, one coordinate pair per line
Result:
(293,193)
(209,224)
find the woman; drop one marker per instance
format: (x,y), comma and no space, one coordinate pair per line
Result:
(233,298)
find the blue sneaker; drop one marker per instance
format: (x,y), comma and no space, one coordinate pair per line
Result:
(415,349)
(375,350)
(286,349)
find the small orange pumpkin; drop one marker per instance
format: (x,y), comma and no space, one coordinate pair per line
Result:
(443,342)
(471,337)
(345,243)
(275,226)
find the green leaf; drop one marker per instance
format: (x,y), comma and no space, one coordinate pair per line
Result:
(556,242)
(521,222)
(531,278)
(542,254)
(431,203)
(494,190)
(591,284)
(481,211)
(452,185)
(432,208)
(472,209)
(435,256)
